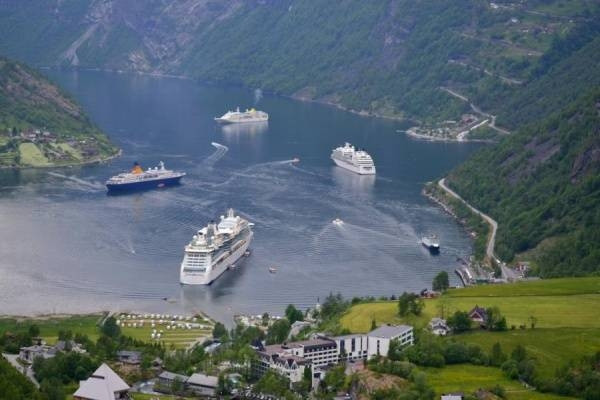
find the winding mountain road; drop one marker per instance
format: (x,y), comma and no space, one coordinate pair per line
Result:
(492,238)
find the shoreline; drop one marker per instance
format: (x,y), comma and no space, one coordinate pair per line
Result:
(430,138)
(103,160)
(100,314)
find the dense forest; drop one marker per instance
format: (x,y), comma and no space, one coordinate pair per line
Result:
(542,186)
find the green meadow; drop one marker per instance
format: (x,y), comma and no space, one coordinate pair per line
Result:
(565,310)
(469,378)
(50,326)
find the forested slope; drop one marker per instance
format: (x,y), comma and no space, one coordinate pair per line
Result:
(37,119)
(542,186)
(388,57)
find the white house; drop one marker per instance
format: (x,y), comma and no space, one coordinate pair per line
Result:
(352,347)
(104,384)
(438,326)
(380,338)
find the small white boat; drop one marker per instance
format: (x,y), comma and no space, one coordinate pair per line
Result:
(338,222)
(272,270)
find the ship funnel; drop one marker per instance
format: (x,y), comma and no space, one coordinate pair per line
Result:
(230,213)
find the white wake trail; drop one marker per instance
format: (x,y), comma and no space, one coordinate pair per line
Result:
(217,155)
(93,185)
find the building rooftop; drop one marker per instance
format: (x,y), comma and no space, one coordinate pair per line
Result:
(203,380)
(172,376)
(389,331)
(102,385)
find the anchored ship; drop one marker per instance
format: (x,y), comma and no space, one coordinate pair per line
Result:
(238,117)
(358,161)
(138,179)
(214,249)
(431,242)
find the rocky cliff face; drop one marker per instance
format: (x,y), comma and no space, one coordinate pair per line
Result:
(149,36)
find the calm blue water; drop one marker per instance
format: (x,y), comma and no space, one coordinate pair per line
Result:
(65,246)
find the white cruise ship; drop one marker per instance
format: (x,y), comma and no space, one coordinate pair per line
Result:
(358,161)
(238,117)
(214,249)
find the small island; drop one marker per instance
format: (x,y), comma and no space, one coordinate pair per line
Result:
(40,126)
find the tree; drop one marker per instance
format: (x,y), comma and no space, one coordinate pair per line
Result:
(293,314)
(33,329)
(410,303)
(52,389)
(494,319)
(532,321)
(335,378)
(176,385)
(460,322)
(497,358)
(279,331)
(219,331)
(519,353)
(441,282)
(110,327)
(265,319)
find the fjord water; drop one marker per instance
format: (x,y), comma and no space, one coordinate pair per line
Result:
(65,246)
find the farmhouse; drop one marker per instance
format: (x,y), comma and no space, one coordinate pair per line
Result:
(479,315)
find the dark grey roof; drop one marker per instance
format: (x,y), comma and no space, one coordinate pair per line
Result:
(389,332)
(170,376)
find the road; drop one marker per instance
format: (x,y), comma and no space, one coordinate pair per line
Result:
(27,371)
(477,110)
(492,238)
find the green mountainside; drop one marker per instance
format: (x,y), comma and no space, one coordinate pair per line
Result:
(42,126)
(542,186)
(388,57)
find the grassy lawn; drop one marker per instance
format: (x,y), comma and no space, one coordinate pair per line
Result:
(556,303)
(179,338)
(567,326)
(49,327)
(546,287)
(67,148)
(469,378)
(31,155)
(551,347)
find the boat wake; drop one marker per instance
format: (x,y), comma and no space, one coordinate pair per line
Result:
(91,185)
(217,155)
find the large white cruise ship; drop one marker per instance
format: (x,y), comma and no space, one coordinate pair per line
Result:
(214,249)
(358,161)
(238,117)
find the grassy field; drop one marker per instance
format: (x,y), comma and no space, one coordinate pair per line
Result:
(550,347)
(555,303)
(67,148)
(469,378)
(179,338)
(49,327)
(566,310)
(546,287)
(31,155)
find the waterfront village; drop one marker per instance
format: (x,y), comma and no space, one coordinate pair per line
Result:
(38,147)
(300,355)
